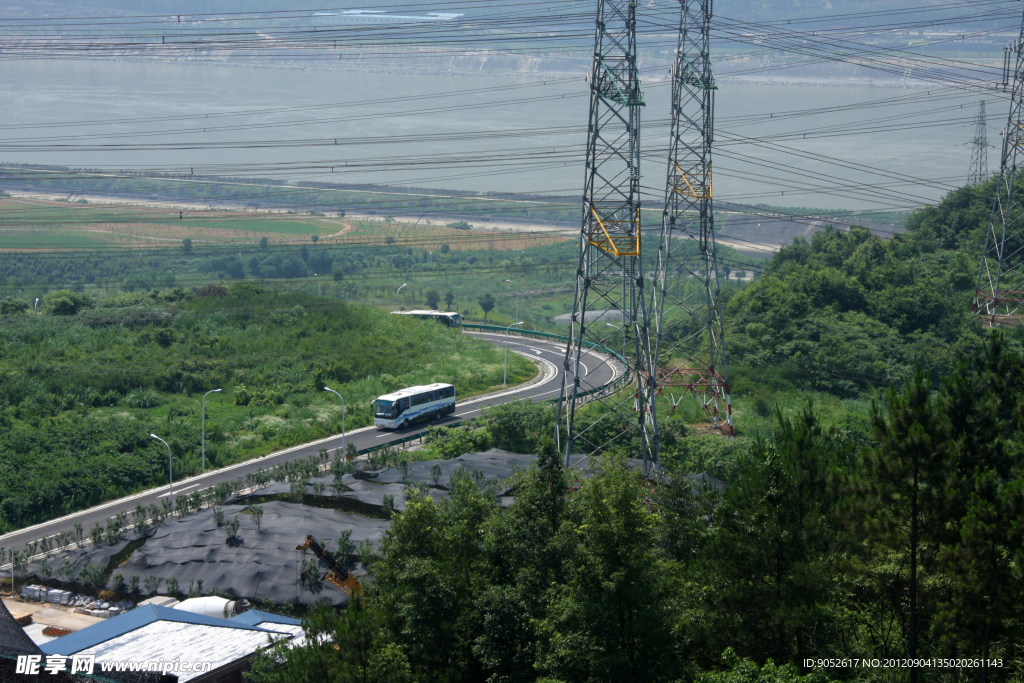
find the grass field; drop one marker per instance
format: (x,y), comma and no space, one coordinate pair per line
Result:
(29,224)
(41,224)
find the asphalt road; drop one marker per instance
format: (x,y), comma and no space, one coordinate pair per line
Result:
(550,355)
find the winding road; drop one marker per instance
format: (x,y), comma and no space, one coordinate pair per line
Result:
(548,354)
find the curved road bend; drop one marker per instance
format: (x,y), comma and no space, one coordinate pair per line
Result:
(550,355)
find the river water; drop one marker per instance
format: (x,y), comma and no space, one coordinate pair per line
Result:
(865,147)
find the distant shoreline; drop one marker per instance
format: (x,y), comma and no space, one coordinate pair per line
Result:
(751,79)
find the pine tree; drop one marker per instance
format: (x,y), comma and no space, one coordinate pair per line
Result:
(899,485)
(765,570)
(984,500)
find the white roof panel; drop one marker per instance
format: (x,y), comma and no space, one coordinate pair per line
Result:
(171,640)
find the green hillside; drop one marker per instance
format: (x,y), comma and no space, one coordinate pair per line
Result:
(82,385)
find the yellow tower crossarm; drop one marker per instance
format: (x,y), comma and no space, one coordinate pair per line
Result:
(620,245)
(693,193)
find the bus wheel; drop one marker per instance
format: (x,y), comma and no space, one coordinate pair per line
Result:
(404,425)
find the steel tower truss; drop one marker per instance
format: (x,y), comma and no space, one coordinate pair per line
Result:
(1000,290)
(689,354)
(608,311)
(979,149)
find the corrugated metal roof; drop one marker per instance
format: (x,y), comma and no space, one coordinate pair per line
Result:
(274,622)
(255,617)
(172,640)
(14,642)
(127,623)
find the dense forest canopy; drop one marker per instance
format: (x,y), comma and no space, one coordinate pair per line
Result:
(817,548)
(849,311)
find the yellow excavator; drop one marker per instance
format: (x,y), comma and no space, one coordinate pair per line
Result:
(336,574)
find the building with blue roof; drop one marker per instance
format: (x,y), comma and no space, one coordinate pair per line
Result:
(201,648)
(273,622)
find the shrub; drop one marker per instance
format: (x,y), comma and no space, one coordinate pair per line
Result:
(451,442)
(310,572)
(56,631)
(257,515)
(152,584)
(66,302)
(92,575)
(257,397)
(112,534)
(12,306)
(143,397)
(212,290)
(346,548)
(231,529)
(517,426)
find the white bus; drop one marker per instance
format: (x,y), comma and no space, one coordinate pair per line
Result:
(405,406)
(447,318)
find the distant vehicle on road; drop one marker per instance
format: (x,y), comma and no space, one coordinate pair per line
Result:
(400,409)
(448,318)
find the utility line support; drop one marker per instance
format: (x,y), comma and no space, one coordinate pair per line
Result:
(609,274)
(689,351)
(979,149)
(999,294)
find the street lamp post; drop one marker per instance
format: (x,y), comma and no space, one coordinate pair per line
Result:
(397,291)
(170,472)
(504,376)
(342,416)
(212,391)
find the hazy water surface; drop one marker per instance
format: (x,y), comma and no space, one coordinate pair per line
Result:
(453,131)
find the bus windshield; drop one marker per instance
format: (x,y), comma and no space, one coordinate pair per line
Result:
(384,408)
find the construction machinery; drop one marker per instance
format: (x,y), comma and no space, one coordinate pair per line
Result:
(336,573)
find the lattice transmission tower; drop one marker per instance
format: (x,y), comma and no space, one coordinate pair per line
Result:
(608,311)
(979,149)
(1000,290)
(689,354)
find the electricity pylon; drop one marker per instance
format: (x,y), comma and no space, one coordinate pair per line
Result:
(979,150)
(689,354)
(608,311)
(1000,290)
